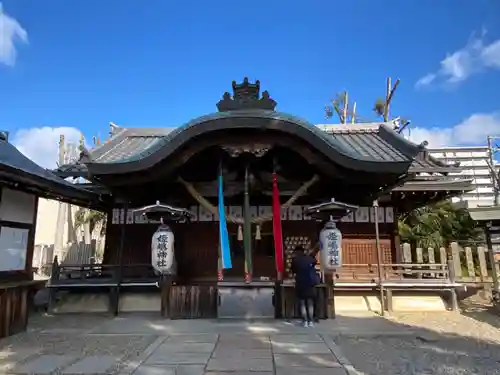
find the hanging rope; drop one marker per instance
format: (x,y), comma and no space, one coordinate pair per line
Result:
(236,220)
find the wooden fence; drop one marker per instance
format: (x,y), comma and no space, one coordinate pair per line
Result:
(471,265)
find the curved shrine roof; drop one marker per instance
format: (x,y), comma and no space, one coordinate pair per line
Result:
(375,142)
(366,148)
(374,149)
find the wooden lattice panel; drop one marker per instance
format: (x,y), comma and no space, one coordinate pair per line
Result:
(364,251)
(290,243)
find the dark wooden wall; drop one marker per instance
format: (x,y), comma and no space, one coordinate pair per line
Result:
(14,301)
(196,246)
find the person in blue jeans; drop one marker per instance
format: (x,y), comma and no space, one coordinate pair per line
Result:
(303,266)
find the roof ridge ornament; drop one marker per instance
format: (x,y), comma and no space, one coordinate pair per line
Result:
(4,135)
(85,157)
(423,145)
(113,128)
(246,96)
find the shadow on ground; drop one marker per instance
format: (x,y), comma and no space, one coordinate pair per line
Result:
(480,308)
(371,344)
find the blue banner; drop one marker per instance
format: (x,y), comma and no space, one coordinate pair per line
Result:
(224,236)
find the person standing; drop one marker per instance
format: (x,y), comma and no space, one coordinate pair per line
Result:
(303,266)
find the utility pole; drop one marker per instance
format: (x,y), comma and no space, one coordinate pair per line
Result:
(388,96)
(61,211)
(493,172)
(495,179)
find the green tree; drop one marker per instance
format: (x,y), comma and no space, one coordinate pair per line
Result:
(93,218)
(437,225)
(379,107)
(341,107)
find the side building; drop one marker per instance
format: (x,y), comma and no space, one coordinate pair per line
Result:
(470,163)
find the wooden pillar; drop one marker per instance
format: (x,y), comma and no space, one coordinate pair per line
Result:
(330,296)
(397,255)
(278,299)
(115,300)
(107,256)
(496,287)
(247,230)
(388,296)
(452,274)
(380,259)
(54,278)
(165,290)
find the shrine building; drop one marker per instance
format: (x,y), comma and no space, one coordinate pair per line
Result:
(247,141)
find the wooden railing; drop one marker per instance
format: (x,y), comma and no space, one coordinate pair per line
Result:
(177,301)
(403,271)
(470,265)
(419,269)
(387,278)
(88,275)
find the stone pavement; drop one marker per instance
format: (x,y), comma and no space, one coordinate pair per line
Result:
(146,345)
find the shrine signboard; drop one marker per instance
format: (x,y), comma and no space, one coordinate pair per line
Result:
(330,240)
(162,250)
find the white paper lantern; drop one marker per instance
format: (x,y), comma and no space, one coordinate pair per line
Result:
(330,240)
(162,250)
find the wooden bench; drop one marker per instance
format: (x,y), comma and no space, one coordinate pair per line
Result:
(99,277)
(397,277)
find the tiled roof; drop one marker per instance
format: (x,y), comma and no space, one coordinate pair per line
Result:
(367,142)
(127,147)
(127,142)
(361,141)
(365,138)
(437,183)
(372,141)
(425,163)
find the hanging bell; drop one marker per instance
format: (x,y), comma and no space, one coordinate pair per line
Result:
(240,233)
(257,233)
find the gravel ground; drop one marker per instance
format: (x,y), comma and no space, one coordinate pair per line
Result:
(448,343)
(476,320)
(79,346)
(384,355)
(60,344)
(67,322)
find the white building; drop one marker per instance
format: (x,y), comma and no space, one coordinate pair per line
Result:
(474,164)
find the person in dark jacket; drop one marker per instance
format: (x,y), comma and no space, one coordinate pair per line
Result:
(303,266)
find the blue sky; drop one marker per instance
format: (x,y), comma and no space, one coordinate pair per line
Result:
(81,64)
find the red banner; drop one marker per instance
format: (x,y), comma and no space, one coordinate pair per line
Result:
(277,232)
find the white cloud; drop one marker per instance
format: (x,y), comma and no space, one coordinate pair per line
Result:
(42,144)
(472,131)
(474,57)
(491,55)
(10,31)
(426,80)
